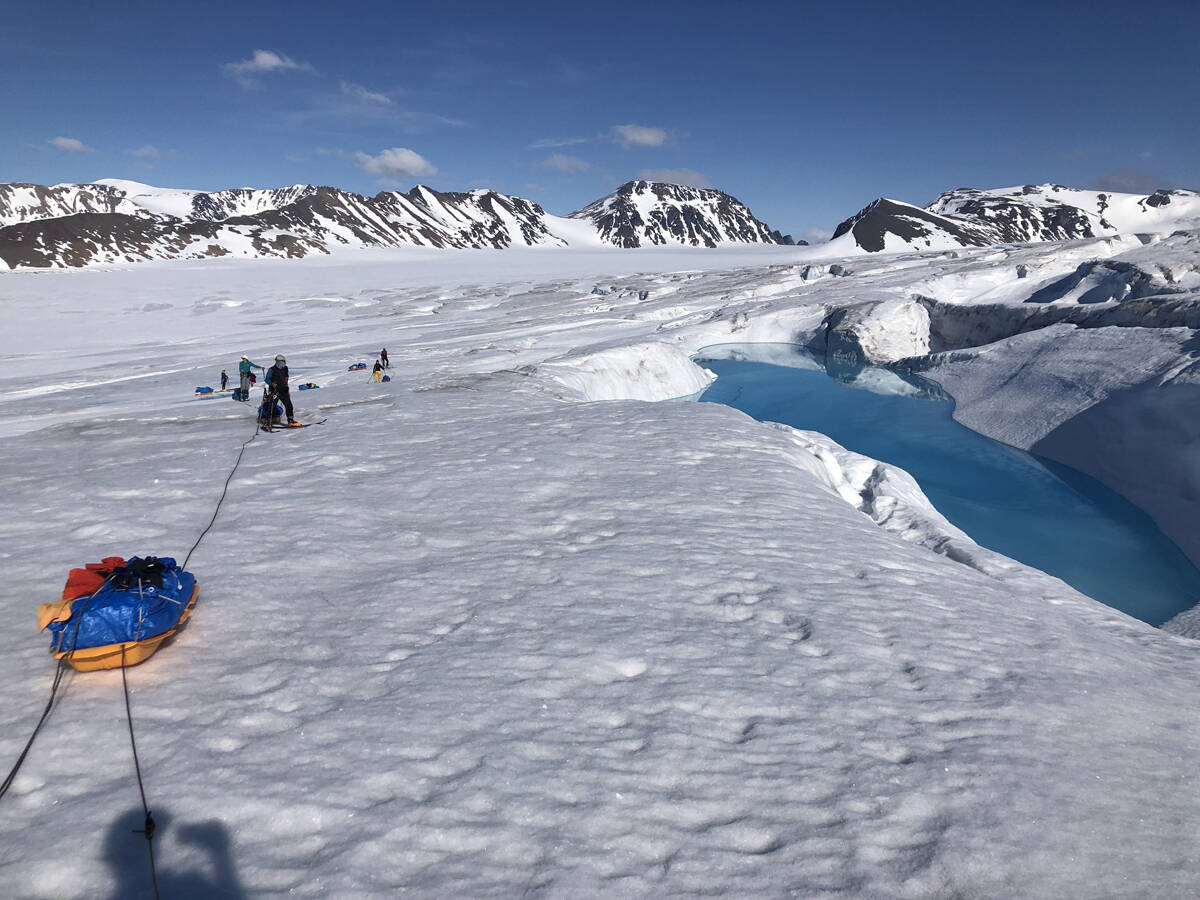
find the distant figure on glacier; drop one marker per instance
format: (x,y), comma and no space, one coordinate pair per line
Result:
(383,358)
(224,380)
(277,387)
(244,369)
(377,372)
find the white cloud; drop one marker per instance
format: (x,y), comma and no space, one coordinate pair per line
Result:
(550,143)
(639,135)
(146,152)
(71,145)
(561,162)
(1131,181)
(817,235)
(263,62)
(688,177)
(363,95)
(397,161)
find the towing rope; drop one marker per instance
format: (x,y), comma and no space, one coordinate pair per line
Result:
(224,491)
(148,827)
(54,686)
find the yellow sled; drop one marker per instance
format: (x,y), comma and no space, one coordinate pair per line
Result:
(128,653)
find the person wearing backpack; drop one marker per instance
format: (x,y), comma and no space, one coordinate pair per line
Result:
(277,386)
(384,359)
(224,379)
(244,370)
(377,372)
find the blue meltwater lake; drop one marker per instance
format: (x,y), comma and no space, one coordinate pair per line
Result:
(1046,515)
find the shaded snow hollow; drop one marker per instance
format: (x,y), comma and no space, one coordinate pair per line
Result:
(472,638)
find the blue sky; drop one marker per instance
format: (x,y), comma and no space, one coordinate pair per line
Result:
(805,111)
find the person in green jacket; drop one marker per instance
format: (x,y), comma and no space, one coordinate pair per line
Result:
(244,368)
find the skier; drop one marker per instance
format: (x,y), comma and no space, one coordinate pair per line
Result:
(383,358)
(224,379)
(277,388)
(244,369)
(377,372)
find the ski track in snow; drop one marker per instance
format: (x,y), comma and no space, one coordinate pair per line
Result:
(470,638)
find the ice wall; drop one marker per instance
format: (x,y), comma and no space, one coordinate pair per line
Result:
(649,370)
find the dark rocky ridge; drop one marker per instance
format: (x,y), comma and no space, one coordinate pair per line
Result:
(650,212)
(871,226)
(78,225)
(966,217)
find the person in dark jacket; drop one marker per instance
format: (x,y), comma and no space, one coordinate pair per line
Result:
(224,379)
(383,358)
(277,386)
(377,372)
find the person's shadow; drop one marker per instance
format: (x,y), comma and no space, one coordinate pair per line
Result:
(208,873)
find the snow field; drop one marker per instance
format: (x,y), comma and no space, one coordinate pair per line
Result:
(467,639)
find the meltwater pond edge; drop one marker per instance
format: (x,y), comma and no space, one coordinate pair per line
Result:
(1041,513)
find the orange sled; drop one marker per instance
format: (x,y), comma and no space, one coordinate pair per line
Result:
(129,653)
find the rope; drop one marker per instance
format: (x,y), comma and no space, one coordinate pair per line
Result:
(61,671)
(54,685)
(12,775)
(224,491)
(147,828)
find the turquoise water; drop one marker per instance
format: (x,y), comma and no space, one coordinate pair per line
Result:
(1044,514)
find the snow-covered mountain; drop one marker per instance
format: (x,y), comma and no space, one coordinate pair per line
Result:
(199,206)
(890,225)
(641,213)
(20,202)
(967,217)
(117,221)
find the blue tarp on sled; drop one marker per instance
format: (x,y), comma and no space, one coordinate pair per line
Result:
(142,599)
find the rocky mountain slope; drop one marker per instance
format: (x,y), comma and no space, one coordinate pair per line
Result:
(967,217)
(642,213)
(115,221)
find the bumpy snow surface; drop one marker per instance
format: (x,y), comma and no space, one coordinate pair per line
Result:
(475,636)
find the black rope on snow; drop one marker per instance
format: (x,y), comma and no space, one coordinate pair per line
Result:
(12,775)
(63,664)
(224,491)
(54,686)
(147,828)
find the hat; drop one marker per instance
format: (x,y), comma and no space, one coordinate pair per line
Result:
(279,358)
(246,358)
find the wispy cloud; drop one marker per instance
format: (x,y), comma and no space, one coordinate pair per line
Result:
(263,62)
(561,162)
(399,162)
(688,177)
(639,135)
(71,145)
(355,104)
(817,235)
(551,143)
(147,151)
(363,95)
(1131,181)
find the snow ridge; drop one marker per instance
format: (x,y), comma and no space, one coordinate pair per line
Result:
(117,221)
(641,213)
(967,217)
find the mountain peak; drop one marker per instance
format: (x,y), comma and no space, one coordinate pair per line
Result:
(641,212)
(121,221)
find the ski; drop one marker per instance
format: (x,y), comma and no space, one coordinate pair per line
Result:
(274,428)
